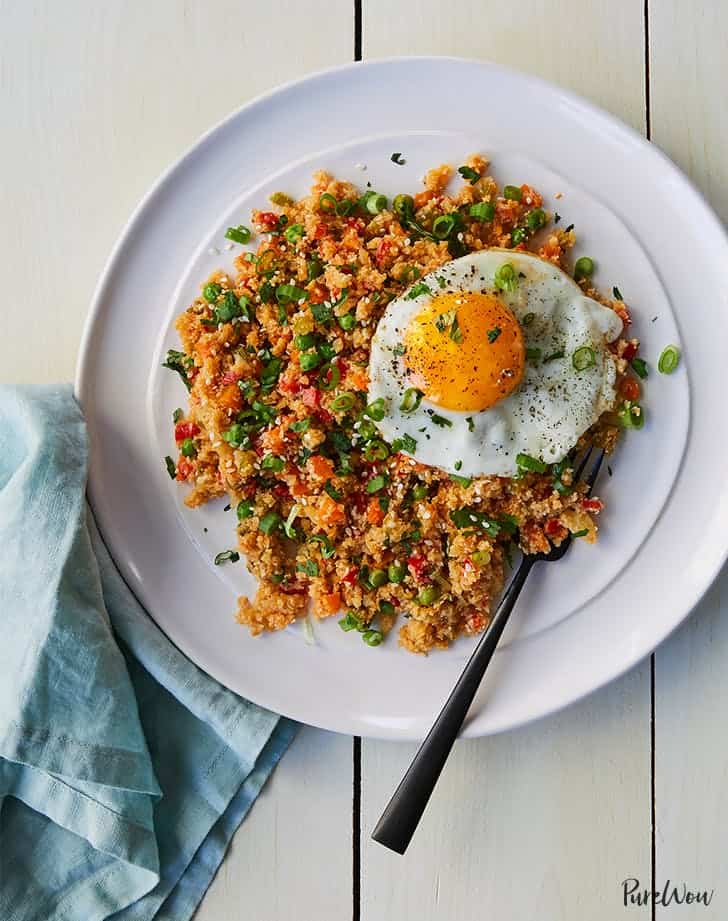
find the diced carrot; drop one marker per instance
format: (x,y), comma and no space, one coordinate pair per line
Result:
(357,378)
(629,388)
(297,488)
(272,440)
(231,398)
(530,197)
(320,467)
(330,512)
(421,198)
(375,515)
(328,604)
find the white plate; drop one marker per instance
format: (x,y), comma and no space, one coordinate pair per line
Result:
(665,532)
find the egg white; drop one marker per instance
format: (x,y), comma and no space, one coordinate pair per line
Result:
(553,405)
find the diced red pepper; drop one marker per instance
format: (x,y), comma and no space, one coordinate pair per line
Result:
(321,231)
(324,416)
(474,622)
(350,578)
(232,377)
(416,565)
(294,588)
(266,220)
(554,528)
(290,384)
(280,490)
(359,501)
(355,222)
(468,566)
(382,250)
(623,314)
(185,430)
(311,397)
(630,350)
(592,505)
(184,469)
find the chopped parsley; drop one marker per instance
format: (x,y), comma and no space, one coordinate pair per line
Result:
(227,556)
(270,374)
(467,172)
(406,443)
(322,313)
(493,334)
(471,423)
(617,294)
(179,362)
(332,491)
(441,421)
(171,469)
(398,159)
(310,567)
(417,290)
(376,483)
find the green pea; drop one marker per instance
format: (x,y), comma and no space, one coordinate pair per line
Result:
(481,557)
(419,492)
(347,322)
(584,268)
(378,578)
(428,595)
(396,572)
(309,361)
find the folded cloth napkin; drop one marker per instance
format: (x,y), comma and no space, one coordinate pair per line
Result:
(124,769)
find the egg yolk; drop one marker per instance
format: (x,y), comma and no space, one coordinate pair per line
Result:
(464,351)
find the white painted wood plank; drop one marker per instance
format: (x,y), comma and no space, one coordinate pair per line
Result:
(292,856)
(544,822)
(547,821)
(570,42)
(97,100)
(688,65)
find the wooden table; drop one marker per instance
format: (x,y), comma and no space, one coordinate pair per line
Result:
(543,823)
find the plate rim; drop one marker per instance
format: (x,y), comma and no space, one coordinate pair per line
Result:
(96,311)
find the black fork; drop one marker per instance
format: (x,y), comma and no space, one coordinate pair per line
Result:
(404,811)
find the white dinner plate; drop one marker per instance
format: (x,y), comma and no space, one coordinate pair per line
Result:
(664,533)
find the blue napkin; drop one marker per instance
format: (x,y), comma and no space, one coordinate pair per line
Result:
(124,769)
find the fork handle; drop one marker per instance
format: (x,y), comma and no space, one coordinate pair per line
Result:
(404,811)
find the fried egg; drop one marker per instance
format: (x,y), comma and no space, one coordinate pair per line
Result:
(495,354)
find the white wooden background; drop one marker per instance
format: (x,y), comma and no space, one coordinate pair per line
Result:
(543,823)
